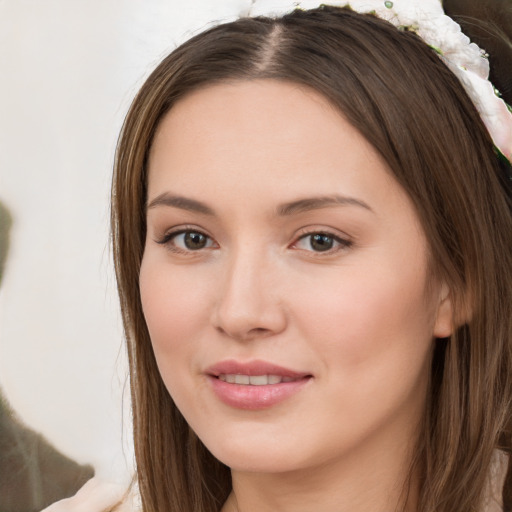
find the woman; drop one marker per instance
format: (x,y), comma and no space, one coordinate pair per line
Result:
(312,232)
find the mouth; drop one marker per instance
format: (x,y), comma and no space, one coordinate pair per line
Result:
(253,373)
(254,380)
(255,385)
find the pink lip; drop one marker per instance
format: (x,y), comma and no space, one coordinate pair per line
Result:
(254,397)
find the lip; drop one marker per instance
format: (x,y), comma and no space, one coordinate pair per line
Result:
(249,397)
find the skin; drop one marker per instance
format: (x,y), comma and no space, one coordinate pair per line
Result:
(357,318)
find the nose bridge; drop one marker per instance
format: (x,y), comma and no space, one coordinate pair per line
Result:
(248,303)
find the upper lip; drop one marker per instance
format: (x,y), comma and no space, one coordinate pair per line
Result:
(252,368)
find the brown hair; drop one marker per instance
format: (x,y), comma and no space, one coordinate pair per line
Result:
(397,92)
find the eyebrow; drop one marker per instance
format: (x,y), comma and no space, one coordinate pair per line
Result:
(316,203)
(183,203)
(284,210)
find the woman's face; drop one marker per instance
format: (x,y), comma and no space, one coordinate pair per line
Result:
(284,280)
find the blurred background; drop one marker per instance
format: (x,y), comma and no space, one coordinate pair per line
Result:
(68,71)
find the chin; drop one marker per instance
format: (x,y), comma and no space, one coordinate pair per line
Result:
(258,453)
(257,461)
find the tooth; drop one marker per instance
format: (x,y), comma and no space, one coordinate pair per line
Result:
(254,380)
(258,380)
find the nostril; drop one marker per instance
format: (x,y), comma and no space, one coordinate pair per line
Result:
(245,335)
(259,330)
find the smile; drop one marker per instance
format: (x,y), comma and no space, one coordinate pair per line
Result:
(254,380)
(255,385)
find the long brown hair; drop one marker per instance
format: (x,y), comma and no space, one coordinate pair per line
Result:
(402,98)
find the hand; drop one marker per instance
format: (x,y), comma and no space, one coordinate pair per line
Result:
(96,496)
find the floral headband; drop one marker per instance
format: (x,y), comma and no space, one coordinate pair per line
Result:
(427,19)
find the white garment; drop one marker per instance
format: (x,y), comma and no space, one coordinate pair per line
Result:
(98,496)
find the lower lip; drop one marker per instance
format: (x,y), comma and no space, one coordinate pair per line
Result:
(254,398)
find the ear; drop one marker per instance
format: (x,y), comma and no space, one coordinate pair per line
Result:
(444,324)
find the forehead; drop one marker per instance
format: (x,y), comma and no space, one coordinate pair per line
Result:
(256,125)
(234,112)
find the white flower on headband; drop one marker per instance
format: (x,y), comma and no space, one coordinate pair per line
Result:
(494,112)
(427,18)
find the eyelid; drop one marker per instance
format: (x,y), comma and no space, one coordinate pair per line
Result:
(172,233)
(344,240)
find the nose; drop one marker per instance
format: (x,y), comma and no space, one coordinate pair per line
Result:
(249,304)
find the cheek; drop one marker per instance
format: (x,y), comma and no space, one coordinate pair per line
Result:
(372,337)
(175,302)
(369,322)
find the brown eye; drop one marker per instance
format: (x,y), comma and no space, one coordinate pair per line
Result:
(320,242)
(194,241)
(187,240)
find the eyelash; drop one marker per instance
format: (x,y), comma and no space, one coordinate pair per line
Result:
(169,238)
(342,243)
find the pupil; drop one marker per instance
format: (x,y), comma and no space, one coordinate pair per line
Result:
(321,242)
(195,240)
